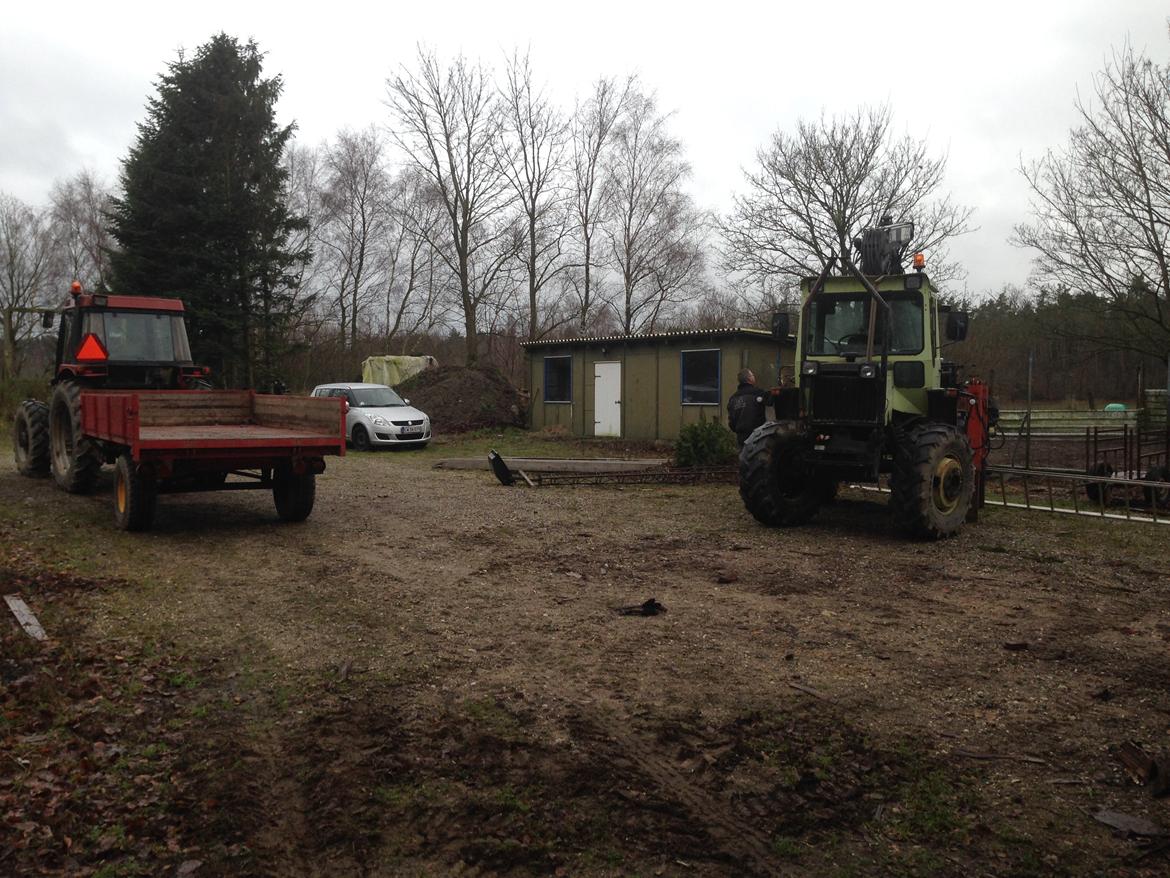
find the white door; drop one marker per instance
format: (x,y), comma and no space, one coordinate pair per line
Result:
(607,399)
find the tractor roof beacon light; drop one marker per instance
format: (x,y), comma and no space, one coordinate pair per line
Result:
(919,262)
(75,288)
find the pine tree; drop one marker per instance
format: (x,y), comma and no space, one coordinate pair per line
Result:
(204,215)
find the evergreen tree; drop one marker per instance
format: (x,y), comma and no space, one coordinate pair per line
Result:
(204,215)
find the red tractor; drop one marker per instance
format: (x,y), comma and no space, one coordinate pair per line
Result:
(126,392)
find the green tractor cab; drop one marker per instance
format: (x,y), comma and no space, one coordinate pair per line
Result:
(873,396)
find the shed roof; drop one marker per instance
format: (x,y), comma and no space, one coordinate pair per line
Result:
(724,332)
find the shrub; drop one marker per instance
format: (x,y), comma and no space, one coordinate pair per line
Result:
(707,443)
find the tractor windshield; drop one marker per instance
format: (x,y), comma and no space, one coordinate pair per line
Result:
(140,336)
(838,325)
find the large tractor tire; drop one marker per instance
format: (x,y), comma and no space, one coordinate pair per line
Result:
(135,495)
(30,438)
(293,494)
(76,459)
(777,486)
(932,483)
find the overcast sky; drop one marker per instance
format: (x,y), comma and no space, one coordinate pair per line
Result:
(986,83)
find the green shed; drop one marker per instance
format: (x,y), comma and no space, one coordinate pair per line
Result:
(646,386)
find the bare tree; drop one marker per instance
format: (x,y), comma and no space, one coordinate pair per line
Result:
(531,157)
(592,134)
(26,265)
(814,191)
(653,229)
(1102,209)
(354,232)
(448,123)
(79,207)
(413,289)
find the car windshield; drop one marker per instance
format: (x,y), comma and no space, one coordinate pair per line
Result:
(140,336)
(840,324)
(376,396)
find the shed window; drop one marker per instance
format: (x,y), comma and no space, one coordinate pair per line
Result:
(700,377)
(558,379)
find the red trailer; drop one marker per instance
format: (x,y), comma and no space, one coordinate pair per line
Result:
(176,441)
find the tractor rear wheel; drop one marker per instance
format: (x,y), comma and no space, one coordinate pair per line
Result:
(293,493)
(932,483)
(135,494)
(76,459)
(776,484)
(1159,496)
(30,438)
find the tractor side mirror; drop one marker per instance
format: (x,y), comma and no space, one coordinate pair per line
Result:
(781,325)
(956,325)
(46,320)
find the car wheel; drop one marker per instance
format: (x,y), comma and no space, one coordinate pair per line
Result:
(361,438)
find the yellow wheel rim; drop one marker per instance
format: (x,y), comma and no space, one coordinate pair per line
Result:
(120,493)
(947,489)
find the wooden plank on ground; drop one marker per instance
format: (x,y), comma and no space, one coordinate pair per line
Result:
(25,616)
(555,465)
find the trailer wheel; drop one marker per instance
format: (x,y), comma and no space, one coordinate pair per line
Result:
(361,438)
(135,494)
(932,482)
(30,438)
(1159,497)
(293,494)
(777,486)
(76,459)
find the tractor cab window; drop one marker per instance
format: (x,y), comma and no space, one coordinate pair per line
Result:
(839,325)
(140,336)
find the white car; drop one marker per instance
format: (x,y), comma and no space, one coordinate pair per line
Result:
(376,415)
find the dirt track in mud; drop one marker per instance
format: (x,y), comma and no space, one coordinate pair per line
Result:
(428,677)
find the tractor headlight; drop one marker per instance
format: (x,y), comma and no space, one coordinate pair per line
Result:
(867,371)
(809,367)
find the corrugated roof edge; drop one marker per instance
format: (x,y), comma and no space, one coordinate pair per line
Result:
(651,336)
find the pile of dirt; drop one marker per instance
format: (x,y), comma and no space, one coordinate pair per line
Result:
(461,398)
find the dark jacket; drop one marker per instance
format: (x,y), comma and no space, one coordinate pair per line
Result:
(746,410)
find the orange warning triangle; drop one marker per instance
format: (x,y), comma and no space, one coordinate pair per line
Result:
(92,349)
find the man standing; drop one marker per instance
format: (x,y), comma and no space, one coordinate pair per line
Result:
(746,408)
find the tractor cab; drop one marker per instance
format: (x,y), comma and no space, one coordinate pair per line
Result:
(125,342)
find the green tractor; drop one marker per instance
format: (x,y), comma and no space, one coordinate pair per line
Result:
(873,396)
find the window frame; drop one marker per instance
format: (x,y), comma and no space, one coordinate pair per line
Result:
(682,372)
(568,383)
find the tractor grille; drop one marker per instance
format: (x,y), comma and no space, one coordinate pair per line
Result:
(844,398)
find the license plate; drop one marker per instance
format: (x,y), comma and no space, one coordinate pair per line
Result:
(410,431)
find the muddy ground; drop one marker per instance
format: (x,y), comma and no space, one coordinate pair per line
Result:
(428,678)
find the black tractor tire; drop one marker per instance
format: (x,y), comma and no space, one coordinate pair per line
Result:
(1160,496)
(1100,494)
(30,438)
(135,495)
(361,438)
(293,494)
(76,459)
(932,483)
(777,486)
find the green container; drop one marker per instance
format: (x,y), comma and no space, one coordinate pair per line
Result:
(1115,407)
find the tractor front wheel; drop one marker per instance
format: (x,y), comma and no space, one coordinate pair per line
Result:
(30,438)
(932,483)
(293,494)
(135,494)
(777,485)
(76,459)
